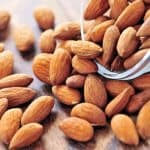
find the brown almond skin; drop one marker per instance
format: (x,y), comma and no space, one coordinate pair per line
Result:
(17,95)
(95,9)
(41,67)
(130,16)
(60,66)
(89,112)
(47,43)
(115,87)
(138,100)
(26,135)
(79,65)
(6,66)
(75,81)
(4,19)
(94,91)
(124,129)
(44,17)
(77,129)
(66,95)
(9,124)
(118,103)
(86,49)
(38,110)
(143,121)
(117,64)
(16,80)
(3,105)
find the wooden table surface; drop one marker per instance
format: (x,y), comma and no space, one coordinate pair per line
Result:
(53,138)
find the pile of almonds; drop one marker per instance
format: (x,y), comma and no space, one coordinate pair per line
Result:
(117,35)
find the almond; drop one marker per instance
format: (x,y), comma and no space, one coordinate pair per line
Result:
(66,95)
(38,110)
(143,121)
(127,43)
(79,65)
(131,15)
(47,43)
(60,66)
(9,124)
(41,67)
(75,81)
(99,30)
(89,112)
(124,129)
(147,14)
(4,19)
(86,49)
(15,80)
(3,105)
(94,91)
(118,103)
(110,39)
(17,95)
(26,135)
(117,64)
(146,43)
(138,100)
(24,38)
(77,129)
(115,87)
(67,31)
(6,67)
(44,17)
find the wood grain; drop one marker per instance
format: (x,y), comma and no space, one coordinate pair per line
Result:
(53,138)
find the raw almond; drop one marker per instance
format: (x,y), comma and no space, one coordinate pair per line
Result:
(17,95)
(38,110)
(145,44)
(115,87)
(79,65)
(4,19)
(118,103)
(15,80)
(143,121)
(124,129)
(86,49)
(127,43)
(9,124)
(110,39)
(95,8)
(26,135)
(94,91)
(131,14)
(77,129)
(44,17)
(47,43)
(117,64)
(60,66)
(75,81)
(138,100)
(89,112)
(66,95)
(41,67)
(3,105)
(6,63)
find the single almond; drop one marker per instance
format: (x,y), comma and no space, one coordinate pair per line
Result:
(66,95)
(89,112)
(86,49)
(9,124)
(26,135)
(124,129)
(145,43)
(17,95)
(3,105)
(143,121)
(117,64)
(38,110)
(15,80)
(60,66)
(77,129)
(79,65)
(131,15)
(4,19)
(94,91)
(6,66)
